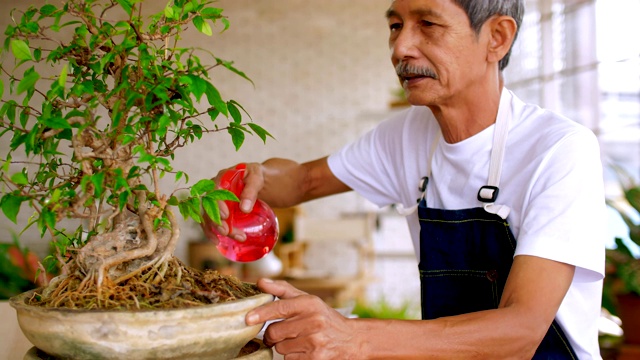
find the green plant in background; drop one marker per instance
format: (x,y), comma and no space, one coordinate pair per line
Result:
(383,309)
(92,141)
(623,268)
(19,269)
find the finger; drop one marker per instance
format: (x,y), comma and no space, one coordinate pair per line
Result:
(283,309)
(289,348)
(237,235)
(279,288)
(253,181)
(289,329)
(208,227)
(224,210)
(212,229)
(292,337)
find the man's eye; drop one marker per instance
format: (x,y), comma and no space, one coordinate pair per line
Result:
(395,26)
(426,23)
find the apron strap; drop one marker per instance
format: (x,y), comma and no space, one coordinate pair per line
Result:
(487,193)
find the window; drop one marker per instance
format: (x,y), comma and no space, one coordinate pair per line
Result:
(581,58)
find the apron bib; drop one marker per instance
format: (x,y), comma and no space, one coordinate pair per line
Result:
(466,255)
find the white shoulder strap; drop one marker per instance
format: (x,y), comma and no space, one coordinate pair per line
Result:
(489,193)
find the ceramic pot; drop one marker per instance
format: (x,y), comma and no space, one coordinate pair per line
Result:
(212,332)
(254,350)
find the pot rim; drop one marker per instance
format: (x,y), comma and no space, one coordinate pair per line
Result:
(19,302)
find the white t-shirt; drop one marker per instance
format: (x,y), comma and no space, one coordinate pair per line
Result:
(551,180)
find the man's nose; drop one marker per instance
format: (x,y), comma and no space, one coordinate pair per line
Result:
(405,45)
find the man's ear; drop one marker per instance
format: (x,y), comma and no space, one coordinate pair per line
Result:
(502,33)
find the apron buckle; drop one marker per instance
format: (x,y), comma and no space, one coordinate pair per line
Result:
(488,193)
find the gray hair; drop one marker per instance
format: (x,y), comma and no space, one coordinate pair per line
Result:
(479,11)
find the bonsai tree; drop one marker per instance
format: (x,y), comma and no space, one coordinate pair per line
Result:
(90,143)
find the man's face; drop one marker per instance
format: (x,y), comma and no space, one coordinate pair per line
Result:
(435,51)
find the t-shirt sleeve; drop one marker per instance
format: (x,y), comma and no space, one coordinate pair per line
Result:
(564,220)
(373,164)
(361,166)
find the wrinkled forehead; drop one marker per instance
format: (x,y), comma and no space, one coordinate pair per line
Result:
(438,9)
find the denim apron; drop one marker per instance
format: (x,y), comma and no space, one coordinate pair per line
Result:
(466,255)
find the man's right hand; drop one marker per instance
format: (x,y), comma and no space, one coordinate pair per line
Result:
(280,183)
(253,181)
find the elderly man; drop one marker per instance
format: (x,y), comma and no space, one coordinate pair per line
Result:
(508,224)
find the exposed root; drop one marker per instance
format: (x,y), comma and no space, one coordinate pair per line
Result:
(138,271)
(181,286)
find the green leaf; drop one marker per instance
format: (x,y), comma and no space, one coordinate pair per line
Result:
(21,50)
(222,195)
(24,117)
(169,13)
(126,5)
(30,142)
(229,66)
(196,212)
(202,187)
(258,130)
(226,23)
(237,137)
(11,206)
(206,29)
(190,208)
(18,140)
(48,9)
(46,220)
(197,131)
(196,85)
(202,25)
(211,13)
(7,163)
(234,112)
(147,158)
(184,209)
(211,208)
(28,81)
(240,106)
(188,7)
(98,180)
(123,198)
(10,110)
(213,95)
(55,196)
(55,122)
(20,178)
(213,113)
(30,27)
(62,80)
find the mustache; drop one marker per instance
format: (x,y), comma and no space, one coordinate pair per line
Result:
(404,70)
